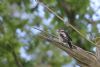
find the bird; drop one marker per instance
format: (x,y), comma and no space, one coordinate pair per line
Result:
(64,37)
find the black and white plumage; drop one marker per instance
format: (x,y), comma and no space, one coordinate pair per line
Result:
(64,37)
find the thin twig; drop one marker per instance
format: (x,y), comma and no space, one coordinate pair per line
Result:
(45,32)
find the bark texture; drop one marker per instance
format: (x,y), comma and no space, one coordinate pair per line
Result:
(83,58)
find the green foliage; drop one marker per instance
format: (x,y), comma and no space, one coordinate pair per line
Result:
(17,33)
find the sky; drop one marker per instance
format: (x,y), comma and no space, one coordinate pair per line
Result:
(95,4)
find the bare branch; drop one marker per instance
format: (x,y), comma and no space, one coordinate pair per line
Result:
(83,57)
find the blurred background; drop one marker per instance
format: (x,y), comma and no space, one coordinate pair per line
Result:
(20,45)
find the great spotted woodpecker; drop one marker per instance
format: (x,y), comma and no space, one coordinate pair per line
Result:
(64,37)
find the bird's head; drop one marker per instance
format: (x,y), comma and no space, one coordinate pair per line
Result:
(60,30)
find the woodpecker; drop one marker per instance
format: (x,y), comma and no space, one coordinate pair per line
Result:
(64,37)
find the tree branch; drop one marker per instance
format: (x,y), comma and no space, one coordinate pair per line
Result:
(18,63)
(98,50)
(83,57)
